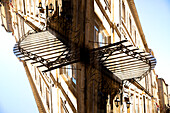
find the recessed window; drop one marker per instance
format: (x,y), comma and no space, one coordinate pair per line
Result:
(47,98)
(40,84)
(123,11)
(74,73)
(135,36)
(69,72)
(100,38)
(96,35)
(130,24)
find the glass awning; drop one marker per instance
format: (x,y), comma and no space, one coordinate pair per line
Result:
(48,52)
(45,51)
(124,60)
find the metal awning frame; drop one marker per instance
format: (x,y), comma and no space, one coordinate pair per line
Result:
(50,52)
(38,51)
(122,57)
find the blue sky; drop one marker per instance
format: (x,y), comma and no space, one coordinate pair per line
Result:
(16,94)
(155,19)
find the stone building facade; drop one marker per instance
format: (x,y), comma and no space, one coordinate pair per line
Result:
(5,15)
(84,56)
(163,95)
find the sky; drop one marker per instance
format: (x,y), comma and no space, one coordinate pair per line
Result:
(154,16)
(15,92)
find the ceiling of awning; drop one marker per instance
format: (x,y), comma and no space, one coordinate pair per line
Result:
(124,60)
(45,51)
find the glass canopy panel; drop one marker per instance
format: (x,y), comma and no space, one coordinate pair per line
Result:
(124,60)
(45,51)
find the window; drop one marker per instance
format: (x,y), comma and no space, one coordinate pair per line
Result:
(20,5)
(106,40)
(127,20)
(36,5)
(47,98)
(96,35)
(100,38)
(40,85)
(135,36)
(137,104)
(74,73)
(144,107)
(32,6)
(138,43)
(69,72)
(140,104)
(63,70)
(148,106)
(28,6)
(132,103)
(130,24)
(37,78)
(109,39)
(35,73)
(123,11)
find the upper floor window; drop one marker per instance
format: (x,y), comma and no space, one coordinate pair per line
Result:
(40,84)
(108,4)
(63,70)
(137,104)
(123,11)
(96,35)
(100,39)
(130,24)
(20,6)
(70,71)
(134,35)
(47,99)
(103,40)
(27,6)
(74,73)
(32,7)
